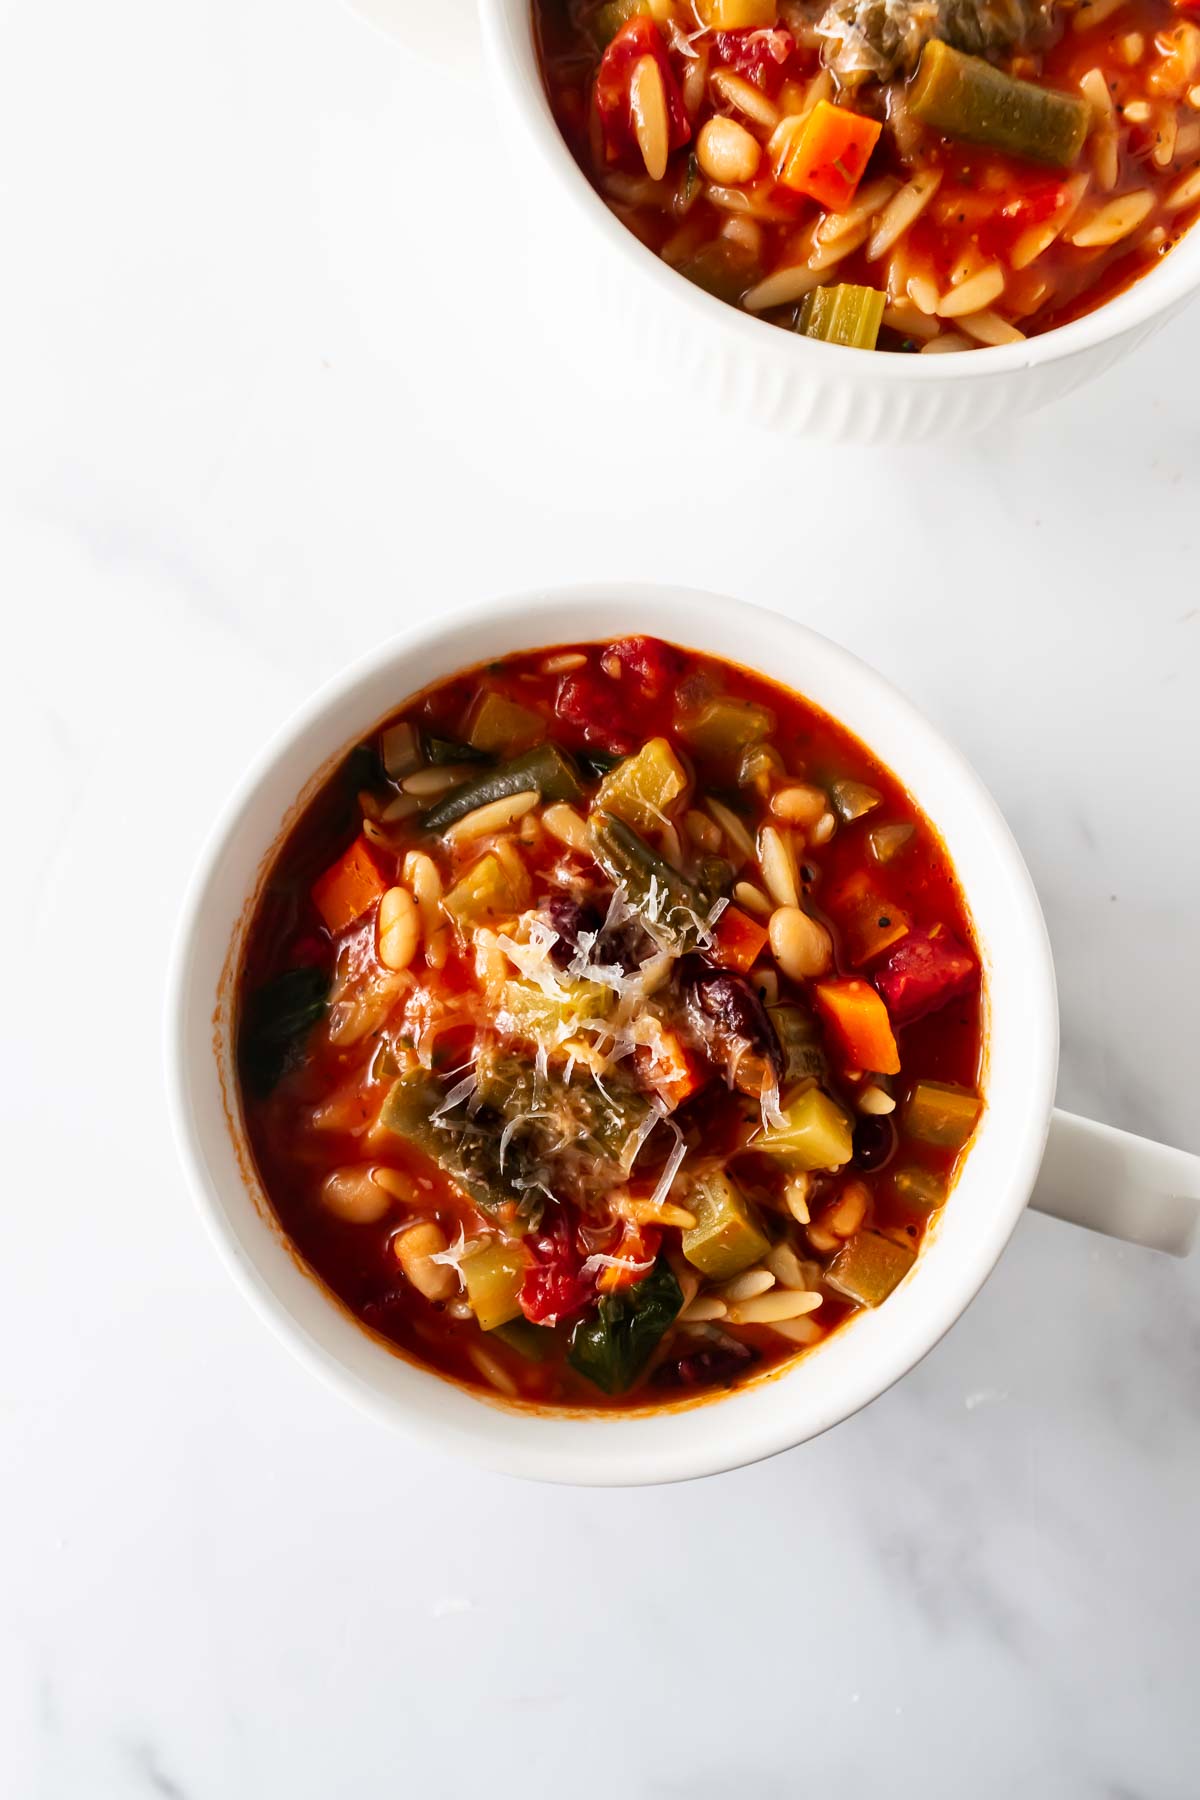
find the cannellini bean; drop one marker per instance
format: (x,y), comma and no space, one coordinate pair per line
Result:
(353,1195)
(648,106)
(565,824)
(778,866)
(414,1248)
(498,815)
(874,1101)
(422,875)
(823,1240)
(727,152)
(799,804)
(768,1309)
(399,928)
(800,945)
(848,1211)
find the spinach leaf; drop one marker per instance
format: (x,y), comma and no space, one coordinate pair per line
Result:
(276,1023)
(612,1348)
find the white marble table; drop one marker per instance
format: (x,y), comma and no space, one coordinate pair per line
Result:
(271,387)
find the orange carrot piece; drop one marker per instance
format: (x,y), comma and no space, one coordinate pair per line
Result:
(349,888)
(669,1068)
(738,940)
(858,1020)
(829,153)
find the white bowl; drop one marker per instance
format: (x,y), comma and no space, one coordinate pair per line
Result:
(855,1364)
(777,378)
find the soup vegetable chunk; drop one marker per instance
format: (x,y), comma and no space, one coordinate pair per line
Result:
(909,175)
(609,1027)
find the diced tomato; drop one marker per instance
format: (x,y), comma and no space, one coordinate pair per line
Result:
(829,153)
(669,1069)
(1039,201)
(857,1019)
(738,940)
(763,57)
(638,1246)
(924,973)
(349,888)
(592,703)
(554,1288)
(640,37)
(654,663)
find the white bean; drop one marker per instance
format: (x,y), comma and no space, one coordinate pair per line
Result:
(399,928)
(800,945)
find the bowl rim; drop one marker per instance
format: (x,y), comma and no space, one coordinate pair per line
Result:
(587,1449)
(1147,301)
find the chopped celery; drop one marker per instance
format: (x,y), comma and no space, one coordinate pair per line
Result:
(544,770)
(525,1010)
(400,749)
(612,1346)
(723,728)
(843,315)
(726,1237)
(886,841)
(799,1034)
(869,1267)
(671,907)
(853,799)
(938,1112)
(493,1278)
(487,891)
(919,1189)
(965,98)
(533,1342)
(817,1133)
(642,787)
(500,725)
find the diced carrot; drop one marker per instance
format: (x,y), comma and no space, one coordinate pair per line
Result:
(669,1068)
(738,940)
(827,157)
(859,1022)
(349,888)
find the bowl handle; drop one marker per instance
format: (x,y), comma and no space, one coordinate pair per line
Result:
(447,33)
(1125,1186)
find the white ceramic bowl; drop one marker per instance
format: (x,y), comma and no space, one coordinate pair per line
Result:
(854,1365)
(712,351)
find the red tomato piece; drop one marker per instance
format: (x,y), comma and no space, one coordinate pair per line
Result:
(554,1288)
(592,703)
(925,972)
(762,56)
(654,663)
(640,37)
(1038,202)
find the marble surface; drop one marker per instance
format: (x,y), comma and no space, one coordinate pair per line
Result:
(274,383)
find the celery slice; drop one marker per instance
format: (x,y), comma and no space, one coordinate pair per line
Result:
(843,315)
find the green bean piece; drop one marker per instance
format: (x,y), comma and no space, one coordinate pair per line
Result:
(843,315)
(544,770)
(672,908)
(965,98)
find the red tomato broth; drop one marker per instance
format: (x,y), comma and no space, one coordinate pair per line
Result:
(1000,196)
(344,1087)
